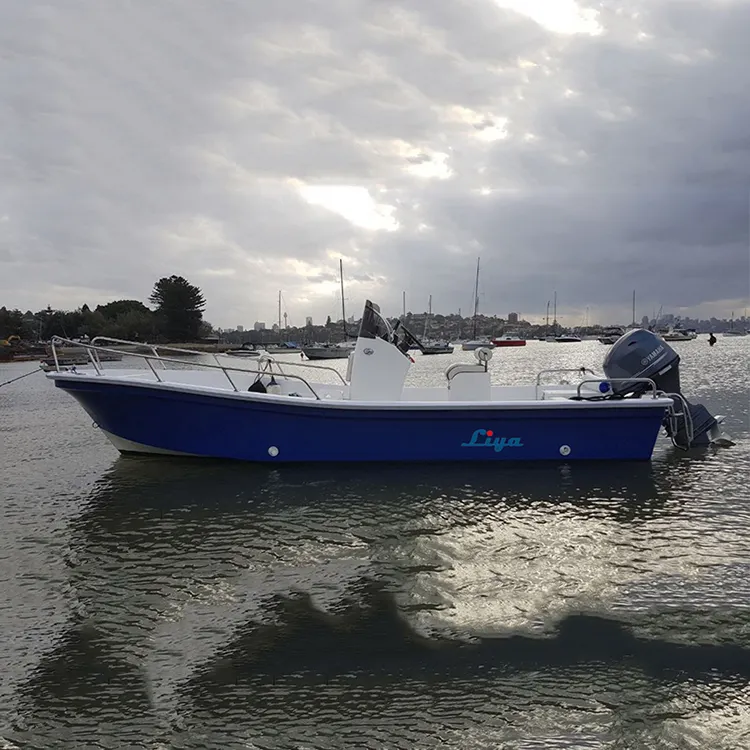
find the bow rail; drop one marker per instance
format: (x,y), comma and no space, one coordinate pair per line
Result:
(265,366)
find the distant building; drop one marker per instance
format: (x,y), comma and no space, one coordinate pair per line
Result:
(259,326)
(513,317)
(240,329)
(308,320)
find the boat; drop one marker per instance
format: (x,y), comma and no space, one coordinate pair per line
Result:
(508,339)
(567,338)
(333,351)
(470,346)
(476,343)
(285,347)
(437,347)
(611,334)
(329,351)
(52,367)
(245,351)
(735,331)
(272,413)
(426,346)
(677,333)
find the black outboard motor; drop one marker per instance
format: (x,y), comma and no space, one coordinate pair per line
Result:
(642,354)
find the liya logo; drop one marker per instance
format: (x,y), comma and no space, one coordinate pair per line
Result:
(487,439)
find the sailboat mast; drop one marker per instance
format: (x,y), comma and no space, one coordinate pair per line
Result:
(403,307)
(343,306)
(427,319)
(476,304)
(634,308)
(547,326)
(554,317)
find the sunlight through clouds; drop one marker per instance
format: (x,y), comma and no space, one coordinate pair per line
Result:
(355,204)
(559,16)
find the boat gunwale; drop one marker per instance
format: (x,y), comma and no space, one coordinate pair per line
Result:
(559,403)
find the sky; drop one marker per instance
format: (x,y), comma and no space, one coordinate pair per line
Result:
(586,149)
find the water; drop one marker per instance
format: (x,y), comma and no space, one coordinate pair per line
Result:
(161,603)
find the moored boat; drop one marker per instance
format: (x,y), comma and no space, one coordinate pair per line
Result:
(611,334)
(272,413)
(328,351)
(436,347)
(286,347)
(470,346)
(678,334)
(732,331)
(508,339)
(245,351)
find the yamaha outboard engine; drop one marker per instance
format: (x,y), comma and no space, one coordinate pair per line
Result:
(642,354)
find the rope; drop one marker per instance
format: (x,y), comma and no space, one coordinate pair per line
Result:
(20,377)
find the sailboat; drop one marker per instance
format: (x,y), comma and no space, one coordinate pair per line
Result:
(475,343)
(333,351)
(433,347)
(284,347)
(734,331)
(564,338)
(633,325)
(612,333)
(550,337)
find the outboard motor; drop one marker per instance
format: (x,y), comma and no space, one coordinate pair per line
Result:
(642,354)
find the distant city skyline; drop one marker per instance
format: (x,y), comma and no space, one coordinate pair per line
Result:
(513,318)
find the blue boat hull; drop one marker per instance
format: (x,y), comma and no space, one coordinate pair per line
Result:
(154,420)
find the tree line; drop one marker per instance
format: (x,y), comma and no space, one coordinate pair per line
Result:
(177,317)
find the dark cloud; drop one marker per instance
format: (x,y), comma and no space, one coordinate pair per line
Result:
(146,139)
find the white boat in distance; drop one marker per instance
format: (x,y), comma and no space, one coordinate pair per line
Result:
(470,346)
(677,333)
(245,351)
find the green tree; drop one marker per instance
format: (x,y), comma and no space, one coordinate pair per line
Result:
(11,323)
(205,330)
(134,326)
(120,307)
(180,306)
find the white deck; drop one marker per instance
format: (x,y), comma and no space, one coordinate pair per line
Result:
(215,382)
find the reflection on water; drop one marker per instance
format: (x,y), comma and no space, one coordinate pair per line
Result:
(168,603)
(220,604)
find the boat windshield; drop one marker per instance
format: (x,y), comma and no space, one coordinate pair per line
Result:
(374,325)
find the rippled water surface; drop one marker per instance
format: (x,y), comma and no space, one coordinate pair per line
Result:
(169,603)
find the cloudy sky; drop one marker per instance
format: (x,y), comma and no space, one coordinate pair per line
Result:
(587,149)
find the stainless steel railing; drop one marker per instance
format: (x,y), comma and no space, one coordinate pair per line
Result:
(568,370)
(267,361)
(156,348)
